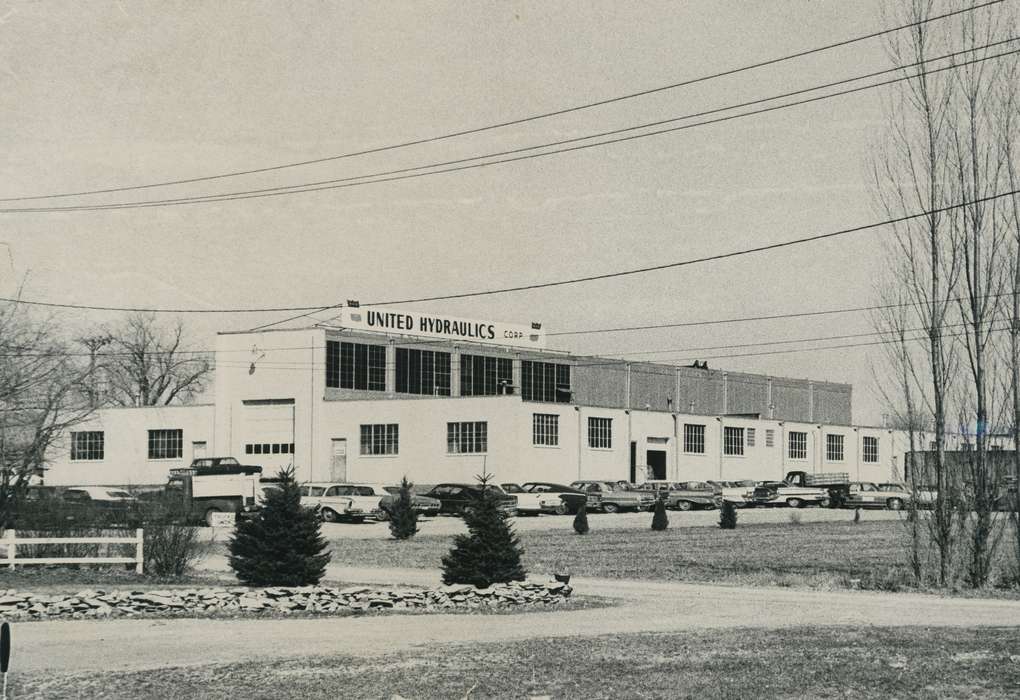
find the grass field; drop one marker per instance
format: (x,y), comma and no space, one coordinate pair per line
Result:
(804,663)
(821,554)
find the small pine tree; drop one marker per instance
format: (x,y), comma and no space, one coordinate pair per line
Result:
(282,544)
(490,552)
(728,515)
(581,521)
(403,516)
(660,521)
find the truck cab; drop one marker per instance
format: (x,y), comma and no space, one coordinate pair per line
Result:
(213,485)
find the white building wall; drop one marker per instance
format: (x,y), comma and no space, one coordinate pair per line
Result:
(126,446)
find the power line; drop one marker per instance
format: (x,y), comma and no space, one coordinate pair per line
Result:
(86,307)
(394,176)
(513,122)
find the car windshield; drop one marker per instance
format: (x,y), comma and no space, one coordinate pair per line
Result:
(119,494)
(363,491)
(512,488)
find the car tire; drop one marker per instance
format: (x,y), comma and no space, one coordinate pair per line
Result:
(825,503)
(794,502)
(383,516)
(563,508)
(209,515)
(894,504)
(328,515)
(610,508)
(684,505)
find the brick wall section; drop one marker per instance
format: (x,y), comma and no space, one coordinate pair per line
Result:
(747,393)
(598,385)
(701,391)
(832,404)
(652,387)
(791,399)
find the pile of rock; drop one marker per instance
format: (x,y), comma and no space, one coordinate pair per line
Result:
(322,600)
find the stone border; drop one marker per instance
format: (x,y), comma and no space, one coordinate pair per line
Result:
(316,600)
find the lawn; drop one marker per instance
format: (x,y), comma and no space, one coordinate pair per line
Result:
(820,554)
(804,663)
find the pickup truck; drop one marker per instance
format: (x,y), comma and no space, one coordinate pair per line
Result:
(214,485)
(683,495)
(836,483)
(782,493)
(612,497)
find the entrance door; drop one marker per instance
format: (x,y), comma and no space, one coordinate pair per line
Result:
(338,467)
(657,463)
(198,449)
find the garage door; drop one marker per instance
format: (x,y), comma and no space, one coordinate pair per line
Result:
(268,434)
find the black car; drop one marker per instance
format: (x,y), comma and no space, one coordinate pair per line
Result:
(572,500)
(454,498)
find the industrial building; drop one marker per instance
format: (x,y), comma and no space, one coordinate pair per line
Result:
(388,394)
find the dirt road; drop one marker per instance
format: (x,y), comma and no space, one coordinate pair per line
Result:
(69,646)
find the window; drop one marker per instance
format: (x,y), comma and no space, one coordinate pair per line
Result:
(733,441)
(87,445)
(833,448)
(380,439)
(545,429)
(600,432)
(798,445)
(871,449)
(770,438)
(424,372)
(545,381)
(355,366)
(276,448)
(467,437)
(486,376)
(694,439)
(166,444)
(750,437)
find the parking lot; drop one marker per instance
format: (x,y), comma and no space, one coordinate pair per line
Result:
(450,525)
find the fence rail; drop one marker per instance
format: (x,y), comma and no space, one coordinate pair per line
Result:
(12,541)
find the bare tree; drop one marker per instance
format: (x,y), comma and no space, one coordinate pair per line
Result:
(910,175)
(40,400)
(150,365)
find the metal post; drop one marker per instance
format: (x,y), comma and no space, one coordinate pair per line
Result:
(139,550)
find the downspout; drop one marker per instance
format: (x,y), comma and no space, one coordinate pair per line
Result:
(782,450)
(311,414)
(857,450)
(722,446)
(676,449)
(580,438)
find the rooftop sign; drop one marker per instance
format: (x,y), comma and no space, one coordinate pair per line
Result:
(428,325)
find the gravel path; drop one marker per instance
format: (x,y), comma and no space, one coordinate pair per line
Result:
(70,646)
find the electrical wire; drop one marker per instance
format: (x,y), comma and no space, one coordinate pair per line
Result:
(391,176)
(514,122)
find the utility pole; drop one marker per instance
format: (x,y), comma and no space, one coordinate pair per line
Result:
(94,343)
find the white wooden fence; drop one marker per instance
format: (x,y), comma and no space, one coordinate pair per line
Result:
(11,540)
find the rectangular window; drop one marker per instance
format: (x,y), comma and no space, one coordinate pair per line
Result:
(355,366)
(166,444)
(467,437)
(798,445)
(545,381)
(424,372)
(871,449)
(600,432)
(87,445)
(750,437)
(380,439)
(486,376)
(276,448)
(694,439)
(545,429)
(770,438)
(733,441)
(833,448)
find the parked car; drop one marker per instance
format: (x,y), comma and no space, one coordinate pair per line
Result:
(101,496)
(531,503)
(612,498)
(571,500)
(425,505)
(455,498)
(864,494)
(780,493)
(341,501)
(683,495)
(740,493)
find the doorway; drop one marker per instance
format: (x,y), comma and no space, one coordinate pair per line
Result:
(338,465)
(656,460)
(633,462)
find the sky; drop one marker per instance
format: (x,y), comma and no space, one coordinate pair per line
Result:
(97,95)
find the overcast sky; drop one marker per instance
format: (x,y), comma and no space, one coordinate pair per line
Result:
(96,95)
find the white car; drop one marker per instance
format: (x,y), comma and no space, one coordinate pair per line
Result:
(340,501)
(529,503)
(100,494)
